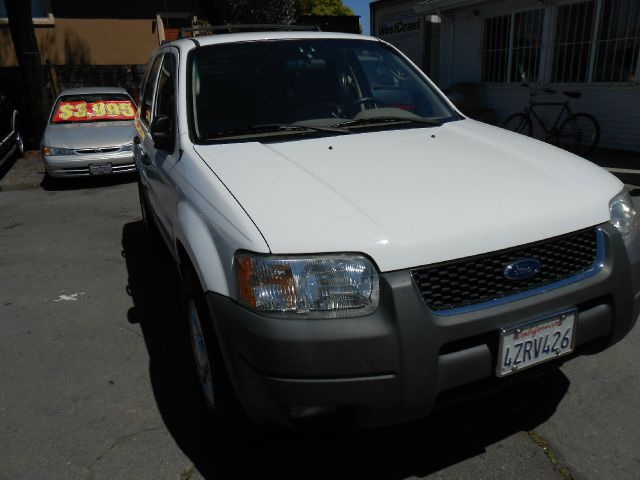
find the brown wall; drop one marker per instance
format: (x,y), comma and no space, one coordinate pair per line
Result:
(89,41)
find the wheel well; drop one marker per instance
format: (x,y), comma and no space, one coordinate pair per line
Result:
(185,265)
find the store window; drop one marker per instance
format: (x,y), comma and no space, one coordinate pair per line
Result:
(572,45)
(512,46)
(596,41)
(616,57)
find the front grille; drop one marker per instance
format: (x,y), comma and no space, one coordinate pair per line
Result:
(477,279)
(98,150)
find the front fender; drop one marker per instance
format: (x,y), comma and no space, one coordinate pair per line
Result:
(194,235)
(211,225)
(210,241)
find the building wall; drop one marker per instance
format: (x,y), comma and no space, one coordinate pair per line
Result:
(386,15)
(615,106)
(80,41)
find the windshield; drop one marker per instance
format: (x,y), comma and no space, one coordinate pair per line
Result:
(93,108)
(254,90)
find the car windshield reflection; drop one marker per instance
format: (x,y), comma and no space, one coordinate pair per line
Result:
(237,89)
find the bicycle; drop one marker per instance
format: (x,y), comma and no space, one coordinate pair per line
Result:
(579,133)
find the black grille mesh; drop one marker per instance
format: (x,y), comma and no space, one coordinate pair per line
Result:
(477,279)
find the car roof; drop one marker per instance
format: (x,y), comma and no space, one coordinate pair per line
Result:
(92,91)
(206,40)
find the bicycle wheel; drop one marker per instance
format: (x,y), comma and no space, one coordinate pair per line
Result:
(579,133)
(519,123)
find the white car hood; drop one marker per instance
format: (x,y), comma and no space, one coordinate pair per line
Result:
(412,197)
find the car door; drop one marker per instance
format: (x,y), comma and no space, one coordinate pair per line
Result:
(161,159)
(143,143)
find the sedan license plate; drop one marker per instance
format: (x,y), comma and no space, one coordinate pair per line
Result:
(100,169)
(535,343)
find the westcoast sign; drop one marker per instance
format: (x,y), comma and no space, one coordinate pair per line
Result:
(399,25)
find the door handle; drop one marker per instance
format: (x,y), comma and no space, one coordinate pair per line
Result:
(143,155)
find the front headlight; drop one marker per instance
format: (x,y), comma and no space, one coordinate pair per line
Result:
(623,213)
(323,286)
(54,151)
(126,148)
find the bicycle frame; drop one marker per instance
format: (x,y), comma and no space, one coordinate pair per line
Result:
(529,111)
(578,132)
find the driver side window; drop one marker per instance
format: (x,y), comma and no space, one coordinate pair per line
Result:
(165,95)
(165,102)
(147,94)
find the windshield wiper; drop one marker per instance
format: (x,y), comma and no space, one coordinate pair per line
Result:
(388,120)
(274,128)
(317,128)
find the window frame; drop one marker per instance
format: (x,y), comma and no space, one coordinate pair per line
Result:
(174,115)
(154,83)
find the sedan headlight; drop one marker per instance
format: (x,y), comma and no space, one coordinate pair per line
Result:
(54,151)
(623,213)
(126,148)
(323,286)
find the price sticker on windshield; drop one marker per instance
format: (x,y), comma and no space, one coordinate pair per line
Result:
(94,111)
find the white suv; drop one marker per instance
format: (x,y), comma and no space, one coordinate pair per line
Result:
(352,246)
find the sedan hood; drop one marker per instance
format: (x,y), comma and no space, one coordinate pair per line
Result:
(412,197)
(89,135)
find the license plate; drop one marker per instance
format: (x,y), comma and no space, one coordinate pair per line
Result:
(534,343)
(100,168)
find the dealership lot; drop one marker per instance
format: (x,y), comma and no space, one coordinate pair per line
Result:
(94,378)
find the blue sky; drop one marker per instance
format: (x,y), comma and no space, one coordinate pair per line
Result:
(360,7)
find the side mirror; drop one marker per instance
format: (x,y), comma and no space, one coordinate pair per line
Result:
(162,133)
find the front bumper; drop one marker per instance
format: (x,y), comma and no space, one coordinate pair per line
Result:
(78,165)
(393,365)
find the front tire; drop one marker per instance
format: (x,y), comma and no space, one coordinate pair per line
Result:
(220,411)
(519,123)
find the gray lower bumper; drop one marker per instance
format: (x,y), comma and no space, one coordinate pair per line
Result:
(391,366)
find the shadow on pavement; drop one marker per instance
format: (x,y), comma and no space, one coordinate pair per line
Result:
(451,435)
(7,165)
(51,184)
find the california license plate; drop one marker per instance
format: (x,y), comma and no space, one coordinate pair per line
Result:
(100,169)
(534,343)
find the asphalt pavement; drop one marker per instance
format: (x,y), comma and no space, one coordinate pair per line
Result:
(94,381)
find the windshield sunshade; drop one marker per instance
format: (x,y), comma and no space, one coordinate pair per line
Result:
(89,109)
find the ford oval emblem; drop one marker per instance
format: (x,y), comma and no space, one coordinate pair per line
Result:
(522,269)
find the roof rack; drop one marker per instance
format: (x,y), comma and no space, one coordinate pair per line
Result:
(247,28)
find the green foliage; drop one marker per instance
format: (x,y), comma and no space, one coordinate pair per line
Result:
(219,12)
(279,12)
(322,7)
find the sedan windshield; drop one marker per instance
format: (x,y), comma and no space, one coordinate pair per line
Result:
(279,88)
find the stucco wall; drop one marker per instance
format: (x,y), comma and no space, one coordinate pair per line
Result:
(89,41)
